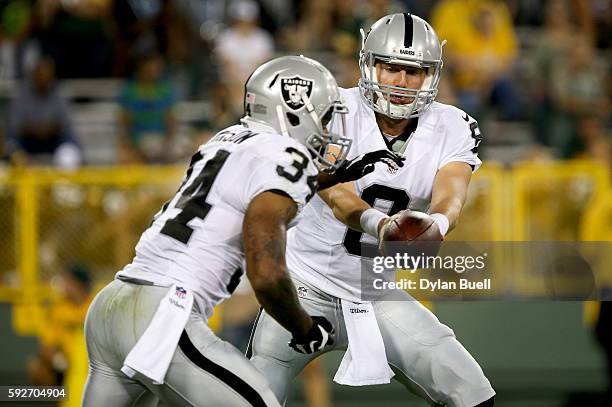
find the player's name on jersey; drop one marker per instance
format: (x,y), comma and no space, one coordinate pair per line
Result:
(233,136)
(432,284)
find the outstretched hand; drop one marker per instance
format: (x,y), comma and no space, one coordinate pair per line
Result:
(351,170)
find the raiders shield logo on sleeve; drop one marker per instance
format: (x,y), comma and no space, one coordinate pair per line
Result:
(292,89)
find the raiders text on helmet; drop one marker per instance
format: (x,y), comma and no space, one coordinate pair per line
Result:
(298,97)
(403,39)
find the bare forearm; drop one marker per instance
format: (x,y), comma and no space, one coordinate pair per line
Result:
(280,301)
(450,191)
(348,208)
(274,289)
(346,205)
(264,233)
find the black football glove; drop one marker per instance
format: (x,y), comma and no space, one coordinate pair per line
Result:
(318,337)
(351,170)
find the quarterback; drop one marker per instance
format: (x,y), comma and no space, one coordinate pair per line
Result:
(146,332)
(394,336)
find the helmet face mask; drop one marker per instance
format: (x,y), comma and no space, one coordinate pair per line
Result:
(330,147)
(333,147)
(404,40)
(298,97)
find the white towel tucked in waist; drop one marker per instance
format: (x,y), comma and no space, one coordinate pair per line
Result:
(152,354)
(365,360)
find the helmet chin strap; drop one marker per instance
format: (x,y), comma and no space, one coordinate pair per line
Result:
(311,110)
(281,121)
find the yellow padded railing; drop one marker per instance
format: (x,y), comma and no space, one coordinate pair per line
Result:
(51,217)
(26,288)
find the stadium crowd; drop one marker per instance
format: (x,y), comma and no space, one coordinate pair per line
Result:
(539,67)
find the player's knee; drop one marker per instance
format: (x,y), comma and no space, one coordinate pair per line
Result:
(488,403)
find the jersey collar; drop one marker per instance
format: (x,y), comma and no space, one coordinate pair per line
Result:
(397,143)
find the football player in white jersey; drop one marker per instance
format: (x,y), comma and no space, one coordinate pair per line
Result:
(393,107)
(147,332)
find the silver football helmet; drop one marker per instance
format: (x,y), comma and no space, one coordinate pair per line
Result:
(403,39)
(298,97)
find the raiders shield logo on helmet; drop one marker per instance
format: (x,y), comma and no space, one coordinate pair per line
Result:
(292,89)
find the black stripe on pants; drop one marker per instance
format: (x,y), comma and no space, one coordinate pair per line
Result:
(249,350)
(236,383)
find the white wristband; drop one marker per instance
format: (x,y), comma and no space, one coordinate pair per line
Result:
(369,220)
(442,222)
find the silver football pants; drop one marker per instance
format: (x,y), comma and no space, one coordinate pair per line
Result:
(205,371)
(424,353)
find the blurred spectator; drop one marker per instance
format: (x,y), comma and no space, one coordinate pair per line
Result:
(166,23)
(550,48)
(346,41)
(188,48)
(579,81)
(241,48)
(421,8)
(380,8)
(526,12)
(348,19)
(74,33)
(62,357)
(147,119)
(534,13)
(579,90)
(192,27)
(480,54)
(15,22)
(554,40)
(39,130)
(602,12)
(224,113)
(131,20)
(207,16)
(582,11)
(276,14)
(312,30)
(595,139)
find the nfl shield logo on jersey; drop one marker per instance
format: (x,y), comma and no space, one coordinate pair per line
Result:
(180,292)
(302,291)
(292,89)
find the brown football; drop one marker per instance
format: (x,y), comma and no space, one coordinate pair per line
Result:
(411,231)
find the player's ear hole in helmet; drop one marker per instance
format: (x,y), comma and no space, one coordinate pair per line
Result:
(293,119)
(298,97)
(401,41)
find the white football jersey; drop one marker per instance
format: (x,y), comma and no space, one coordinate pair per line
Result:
(324,252)
(196,238)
